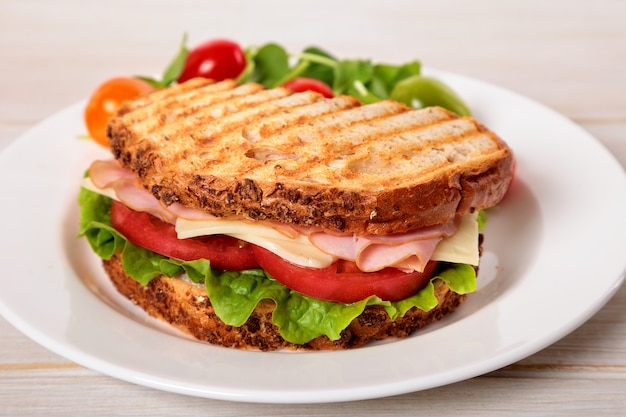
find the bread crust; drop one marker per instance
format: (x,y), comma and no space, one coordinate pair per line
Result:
(187,307)
(304,160)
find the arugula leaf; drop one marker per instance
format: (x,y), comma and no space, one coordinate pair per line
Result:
(173,70)
(359,90)
(350,71)
(268,64)
(319,64)
(177,65)
(386,76)
(378,87)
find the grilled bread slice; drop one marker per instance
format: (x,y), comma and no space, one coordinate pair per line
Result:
(269,154)
(187,307)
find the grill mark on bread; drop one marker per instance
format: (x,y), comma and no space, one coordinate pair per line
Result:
(205,103)
(165,93)
(297,116)
(391,160)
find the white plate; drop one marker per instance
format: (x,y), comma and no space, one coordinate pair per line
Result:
(554,255)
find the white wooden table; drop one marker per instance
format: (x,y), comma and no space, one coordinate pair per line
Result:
(568,55)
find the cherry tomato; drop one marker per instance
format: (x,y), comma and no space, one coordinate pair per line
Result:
(343,281)
(300,84)
(105,101)
(149,232)
(217,59)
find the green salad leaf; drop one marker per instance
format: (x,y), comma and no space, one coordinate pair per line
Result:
(173,70)
(316,63)
(266,65)
(272,66)
(234,295)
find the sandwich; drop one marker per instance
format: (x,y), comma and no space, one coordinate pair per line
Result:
(258,218)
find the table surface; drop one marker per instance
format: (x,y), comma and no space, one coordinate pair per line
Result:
(572,59)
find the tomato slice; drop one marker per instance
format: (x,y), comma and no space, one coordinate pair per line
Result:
(216,59)
(343,281)
(151,233)
(300,84)
(106,99)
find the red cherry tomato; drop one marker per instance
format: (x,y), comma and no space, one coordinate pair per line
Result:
(105,101)
(300,84)
(217,59)
(343,281)
(147,231)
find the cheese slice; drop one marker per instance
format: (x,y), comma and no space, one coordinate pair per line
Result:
(297,250)
(461,247)
(88,184)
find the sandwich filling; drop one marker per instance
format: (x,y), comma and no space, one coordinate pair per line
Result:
(445,256)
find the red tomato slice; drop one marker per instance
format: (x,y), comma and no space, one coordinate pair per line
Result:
(217,59)
(149,232)
(343,281)
(300,84)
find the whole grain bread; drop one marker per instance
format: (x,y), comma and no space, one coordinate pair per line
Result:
(187,307)
(269,154)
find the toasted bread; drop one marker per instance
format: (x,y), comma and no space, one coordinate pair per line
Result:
(187,307)
(269,154)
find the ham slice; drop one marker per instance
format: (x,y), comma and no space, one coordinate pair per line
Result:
(110,174)
(138,199)
(409,251)
(104,173)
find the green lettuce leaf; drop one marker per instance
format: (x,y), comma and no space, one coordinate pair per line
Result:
(234,295)
(95,224)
